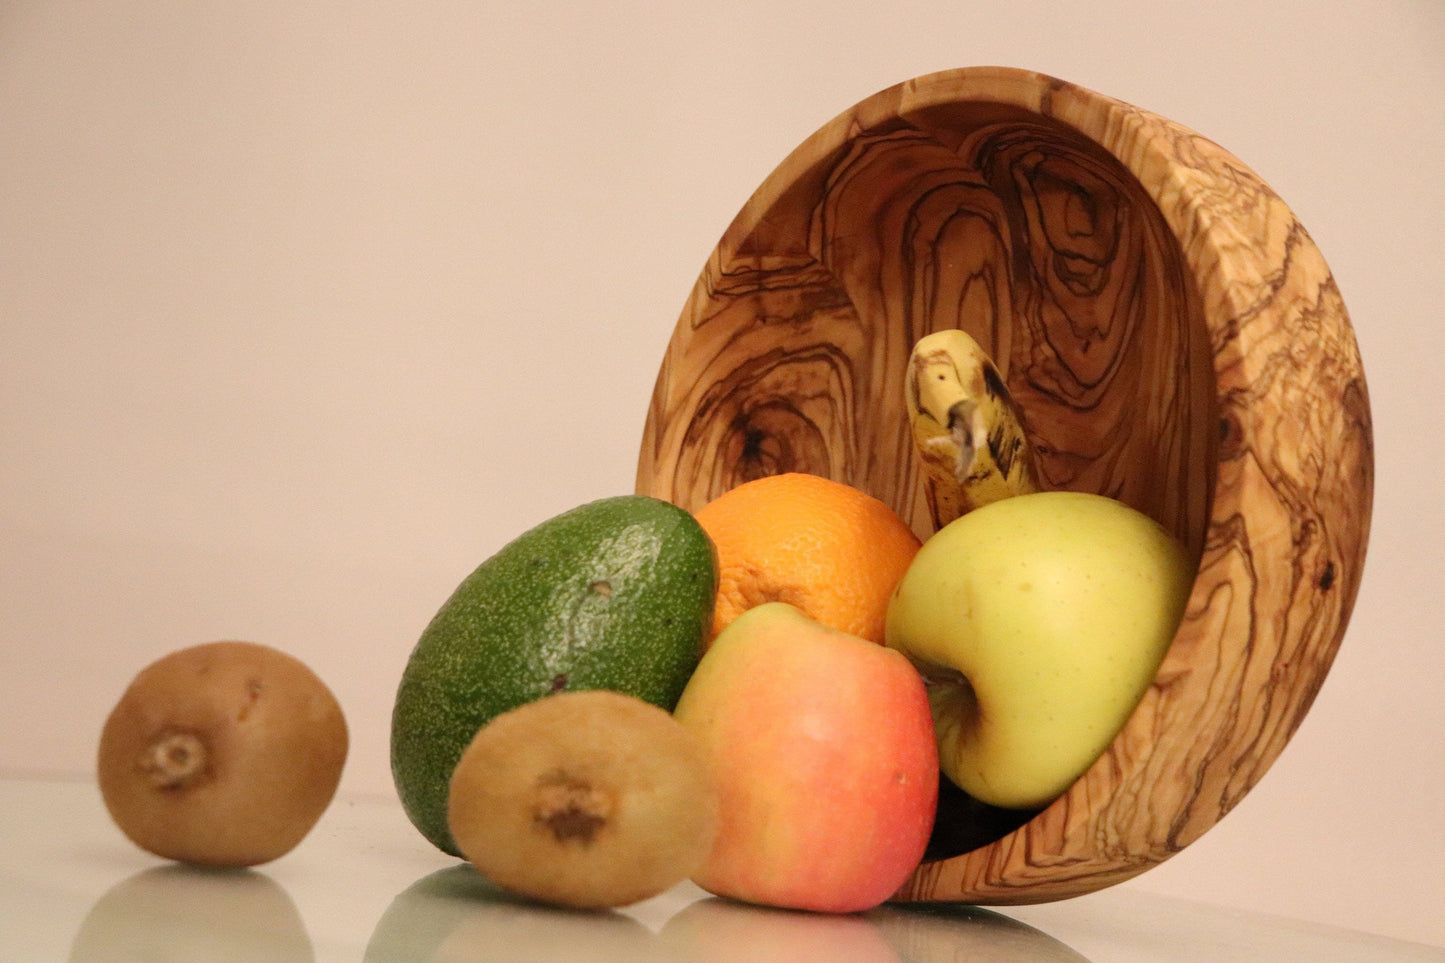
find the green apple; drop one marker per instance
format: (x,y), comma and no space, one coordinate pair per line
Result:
(1039,622)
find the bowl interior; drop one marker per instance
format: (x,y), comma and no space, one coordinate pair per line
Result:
(975,215)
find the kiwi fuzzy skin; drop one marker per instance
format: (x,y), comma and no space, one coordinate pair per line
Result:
(222,754)
(588,799)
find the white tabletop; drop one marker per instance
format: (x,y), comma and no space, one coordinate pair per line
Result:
(364,886)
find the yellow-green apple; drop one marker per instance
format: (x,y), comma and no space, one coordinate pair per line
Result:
(1039,622)
(823,750)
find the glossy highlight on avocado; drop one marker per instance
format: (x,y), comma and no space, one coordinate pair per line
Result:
(615,594)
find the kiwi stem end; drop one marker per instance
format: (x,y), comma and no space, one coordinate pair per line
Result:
(174,760)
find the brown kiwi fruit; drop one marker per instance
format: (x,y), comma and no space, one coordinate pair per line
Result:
(222,754)
(588,799)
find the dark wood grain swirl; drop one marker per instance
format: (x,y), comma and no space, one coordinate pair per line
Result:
(1175,340)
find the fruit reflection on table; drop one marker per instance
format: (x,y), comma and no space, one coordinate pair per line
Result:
(456,914)
(179,912)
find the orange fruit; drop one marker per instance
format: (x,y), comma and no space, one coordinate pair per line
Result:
(829,549)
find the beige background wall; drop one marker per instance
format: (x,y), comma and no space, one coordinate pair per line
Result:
(308,307)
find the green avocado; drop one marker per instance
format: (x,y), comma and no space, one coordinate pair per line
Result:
(615,594)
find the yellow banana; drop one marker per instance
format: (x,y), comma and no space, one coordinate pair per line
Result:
(967,430)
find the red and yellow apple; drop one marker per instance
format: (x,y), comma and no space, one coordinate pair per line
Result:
(823,749)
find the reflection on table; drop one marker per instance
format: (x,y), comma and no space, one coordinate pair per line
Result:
(188,913)
(455,914)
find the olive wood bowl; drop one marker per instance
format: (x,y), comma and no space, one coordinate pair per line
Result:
(1175,340)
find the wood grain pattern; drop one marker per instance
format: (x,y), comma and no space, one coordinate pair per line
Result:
(1175,340)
